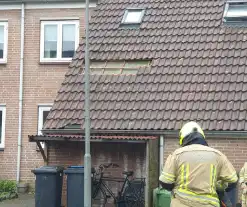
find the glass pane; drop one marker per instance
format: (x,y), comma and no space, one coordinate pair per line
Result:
(1,34)
(1,124)
(133,16)
(50,41)
(237,11)
(68,48)
(1,41)
(1,50)
(45,114)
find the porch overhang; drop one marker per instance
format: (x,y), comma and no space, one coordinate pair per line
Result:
(95,138)
(148,133)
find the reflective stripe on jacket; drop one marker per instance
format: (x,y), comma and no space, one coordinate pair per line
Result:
(195,170)
(243,174)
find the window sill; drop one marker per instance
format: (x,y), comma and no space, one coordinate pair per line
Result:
(1,149)
(3,62)
(54,62)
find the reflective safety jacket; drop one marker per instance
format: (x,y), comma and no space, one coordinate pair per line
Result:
(195,171)
(243,174)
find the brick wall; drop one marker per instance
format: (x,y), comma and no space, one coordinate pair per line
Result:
(41,83)
(128,156)
(235,149)
(9,84)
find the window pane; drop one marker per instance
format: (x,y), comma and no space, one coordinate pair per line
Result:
(45,114)
(50,41)
(1,124)
(1,41)
(68,48)
(133,16)
(237,11)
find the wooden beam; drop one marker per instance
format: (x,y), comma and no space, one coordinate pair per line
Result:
(42,153)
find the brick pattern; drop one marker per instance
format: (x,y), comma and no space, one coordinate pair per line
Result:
(127,156)
(9,83)
(235,149)
(41,83)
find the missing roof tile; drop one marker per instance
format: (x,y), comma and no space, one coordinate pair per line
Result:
(118,67)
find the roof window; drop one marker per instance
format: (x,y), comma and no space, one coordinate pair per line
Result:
(133,16)
(117,67)
(235,12)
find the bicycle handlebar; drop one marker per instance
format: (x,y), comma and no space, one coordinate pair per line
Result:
(102,167)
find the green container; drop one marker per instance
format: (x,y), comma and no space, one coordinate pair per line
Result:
(161,198)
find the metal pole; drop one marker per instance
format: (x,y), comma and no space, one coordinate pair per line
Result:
(87,156)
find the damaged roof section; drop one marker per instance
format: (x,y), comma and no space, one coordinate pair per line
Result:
(198,69)
(118,67)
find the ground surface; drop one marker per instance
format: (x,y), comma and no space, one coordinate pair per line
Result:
(22,201)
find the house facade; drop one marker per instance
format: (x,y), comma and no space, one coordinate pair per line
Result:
(38,40)
(155,65)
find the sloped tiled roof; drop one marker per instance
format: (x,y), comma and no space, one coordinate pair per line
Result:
(198,69)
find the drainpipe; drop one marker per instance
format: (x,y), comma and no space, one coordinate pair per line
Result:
(161,153)
(20,95)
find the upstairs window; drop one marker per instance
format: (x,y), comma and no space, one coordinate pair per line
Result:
(3,41)
(59,40)
(2,125)
(235,12)
(132,17)
(118,67)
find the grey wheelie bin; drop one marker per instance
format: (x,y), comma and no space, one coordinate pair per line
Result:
(75,186)
(48,186)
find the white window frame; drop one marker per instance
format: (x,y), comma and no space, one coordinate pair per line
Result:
(5,45)
(3,109)
(41,110)
(59,24)
(227,6)
(132,10)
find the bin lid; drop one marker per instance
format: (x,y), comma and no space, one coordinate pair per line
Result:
(48,169)
(75,166)
(74,170)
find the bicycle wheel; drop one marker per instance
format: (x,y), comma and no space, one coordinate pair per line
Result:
(99,198)
(134,195)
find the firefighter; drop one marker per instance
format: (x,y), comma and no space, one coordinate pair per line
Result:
(243,184)
(194,171)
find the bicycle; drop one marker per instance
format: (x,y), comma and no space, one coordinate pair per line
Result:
(129,194)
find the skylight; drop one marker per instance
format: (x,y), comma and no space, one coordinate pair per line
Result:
(235,12)
(133,16)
